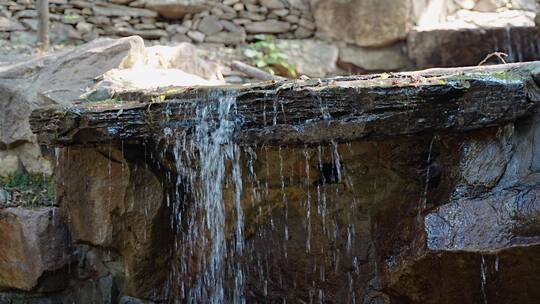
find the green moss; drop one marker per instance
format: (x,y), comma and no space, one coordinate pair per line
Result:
(29,189)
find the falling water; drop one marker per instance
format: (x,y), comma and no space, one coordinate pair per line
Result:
(203,174)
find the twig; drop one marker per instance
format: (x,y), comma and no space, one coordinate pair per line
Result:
(494,54)
(254,72)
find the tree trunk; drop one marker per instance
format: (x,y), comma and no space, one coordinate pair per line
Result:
(43,24)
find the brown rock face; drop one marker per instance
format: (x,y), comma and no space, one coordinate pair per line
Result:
(34,242)
(365,23)
(118,205)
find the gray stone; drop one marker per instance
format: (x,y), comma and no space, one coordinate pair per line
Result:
(145,26)
(5,197)
(210,25)
(391,58)
(84,27)
(271,26)
(31,24)
(107,9)
(231,27)
(273,4)
(302,33)
(367,23)
(57,76)
(176,9)
(313,58)
(146,34)
(180,37)
(8,25)
(227,38)
(26,14)
(196,36)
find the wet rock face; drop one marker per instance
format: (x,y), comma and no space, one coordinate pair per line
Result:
(34,242)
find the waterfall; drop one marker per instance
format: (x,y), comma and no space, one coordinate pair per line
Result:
(201,162)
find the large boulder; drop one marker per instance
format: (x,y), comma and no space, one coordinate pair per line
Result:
(56,78)
(363,22)
(62,78)
(34,242)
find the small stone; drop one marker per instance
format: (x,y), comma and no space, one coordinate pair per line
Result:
(273,4)
(238,7)
(270,26)
(281,12)
(292,19)
(302,33)
(196,36)
(307,24)
(30,23)
(26,14)
(230,26)
(180,38)
(145,26)
(230,2)
(241,21)
(5,197)
(255,17)
(216,11)
(227,38)
(210,25)
(106,9)
(8,25)
(84,27)
(71,19)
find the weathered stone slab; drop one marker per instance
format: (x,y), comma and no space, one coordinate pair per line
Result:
(313,111)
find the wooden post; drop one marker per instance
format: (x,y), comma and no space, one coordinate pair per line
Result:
(43,24)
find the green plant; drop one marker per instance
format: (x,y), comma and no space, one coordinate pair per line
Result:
(266,55)
(29,189)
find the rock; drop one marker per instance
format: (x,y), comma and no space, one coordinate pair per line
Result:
(500,220)
(34,242)
(26,14)
(180,38)
(196,36)
(61,33)
(84,27)
(273,4)
(310,57)
(71,18)
(485,163)
(162,66)
(391,58)
(107,9)
(23,38)
(121,207)
(31,24)
(270,26)
(231,27)
(8,25)
(452,48)
(92,211)
(210,25)
(9,163)
(176,9)
(5,197)
(227,38)
(57,79)
(366,23)
(302,33)
(146,34)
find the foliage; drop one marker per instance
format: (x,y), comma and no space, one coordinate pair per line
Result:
(29,189)
(266,55)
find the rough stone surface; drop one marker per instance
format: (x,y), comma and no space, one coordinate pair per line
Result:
(385,22)
(55,78)
(268,27)
(176,9)
(7,25)
(34,241)
(310,57)
(391,58)
(451,48)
